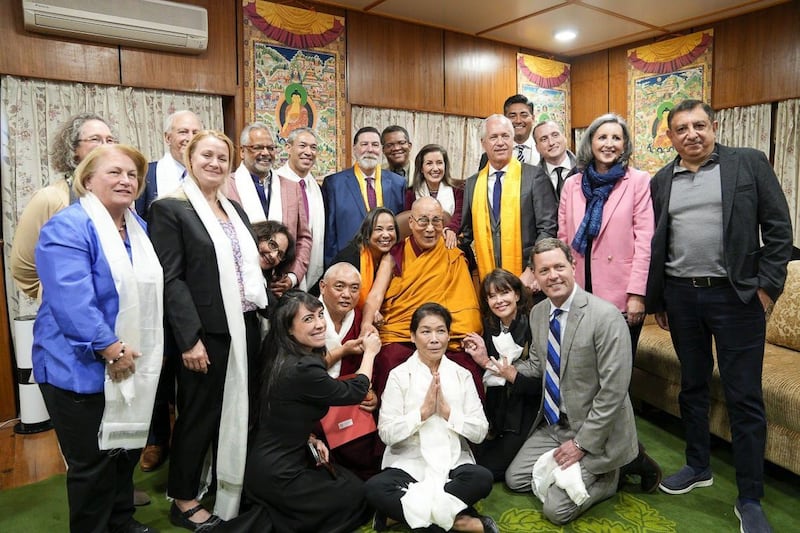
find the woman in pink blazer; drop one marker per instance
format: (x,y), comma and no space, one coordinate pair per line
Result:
(606,216)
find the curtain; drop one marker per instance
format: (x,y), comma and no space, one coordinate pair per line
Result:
(746,126)
(787,157)
(31,111)
(460,136)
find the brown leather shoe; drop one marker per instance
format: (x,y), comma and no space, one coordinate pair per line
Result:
(152,457)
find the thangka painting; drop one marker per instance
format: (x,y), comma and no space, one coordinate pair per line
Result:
(294,77)
(660,76)
(546,83)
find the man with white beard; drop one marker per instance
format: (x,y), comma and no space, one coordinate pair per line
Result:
(350,194)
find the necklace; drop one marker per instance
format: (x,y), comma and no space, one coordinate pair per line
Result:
(123,227)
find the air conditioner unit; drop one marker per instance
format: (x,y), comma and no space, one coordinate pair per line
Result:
(157,24)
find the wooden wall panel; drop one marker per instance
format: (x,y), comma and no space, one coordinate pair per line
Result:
(589,88)
(214,71)
(478,75)
(618,80)
(757,57)
(394,64)
(33,55)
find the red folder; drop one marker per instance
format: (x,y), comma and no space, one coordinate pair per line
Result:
(345,423)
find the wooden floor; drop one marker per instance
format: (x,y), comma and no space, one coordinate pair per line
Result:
(26,459)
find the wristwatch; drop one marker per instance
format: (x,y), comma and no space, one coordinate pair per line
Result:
(575,442)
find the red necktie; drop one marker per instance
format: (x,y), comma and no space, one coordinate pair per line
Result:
(305,197)
(372,200)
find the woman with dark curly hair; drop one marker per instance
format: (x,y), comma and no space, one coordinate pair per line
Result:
(276,249)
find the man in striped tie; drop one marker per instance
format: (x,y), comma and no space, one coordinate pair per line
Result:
(585,430)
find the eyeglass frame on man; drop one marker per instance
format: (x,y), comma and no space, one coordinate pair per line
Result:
(424,221)
(257,148)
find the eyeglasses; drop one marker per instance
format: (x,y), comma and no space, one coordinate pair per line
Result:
(97,139)
(273,249)
(255,148)
(398,144)
(425,221)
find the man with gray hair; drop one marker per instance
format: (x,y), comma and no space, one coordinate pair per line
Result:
(302,147)
(166,174)
(264,196)
(508,206)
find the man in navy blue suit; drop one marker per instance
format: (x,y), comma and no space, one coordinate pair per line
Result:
(351,193)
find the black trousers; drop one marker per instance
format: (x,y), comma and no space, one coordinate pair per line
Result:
(696,315)
(199,410)
(99,483)
(468,483)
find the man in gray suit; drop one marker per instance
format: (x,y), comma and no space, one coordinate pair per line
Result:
(582,349)
(485,200)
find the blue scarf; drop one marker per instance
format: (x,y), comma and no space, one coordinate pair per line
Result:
(596,187)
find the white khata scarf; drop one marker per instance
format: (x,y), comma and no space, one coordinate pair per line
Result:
(233,424)
(139,323)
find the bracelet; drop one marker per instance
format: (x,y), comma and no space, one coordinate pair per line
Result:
(120,356)
(578,446)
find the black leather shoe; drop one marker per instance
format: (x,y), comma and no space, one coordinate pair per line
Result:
(134,526)
(650,473)
(181,519)
(489,525)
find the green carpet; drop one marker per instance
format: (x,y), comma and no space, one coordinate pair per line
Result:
(42,507)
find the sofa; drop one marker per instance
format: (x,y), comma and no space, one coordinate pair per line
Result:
(656,377)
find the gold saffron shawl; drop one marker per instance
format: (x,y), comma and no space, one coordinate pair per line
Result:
(436,275)
(510,222)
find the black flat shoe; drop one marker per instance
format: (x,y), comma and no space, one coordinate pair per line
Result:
(181,519)
(489,525)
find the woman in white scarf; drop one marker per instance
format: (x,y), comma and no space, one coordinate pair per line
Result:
(429,410)
(432,178)
(98,336)
(213,287)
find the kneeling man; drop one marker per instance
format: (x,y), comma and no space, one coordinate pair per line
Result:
(585,429)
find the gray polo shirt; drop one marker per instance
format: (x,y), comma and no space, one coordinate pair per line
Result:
(695,222)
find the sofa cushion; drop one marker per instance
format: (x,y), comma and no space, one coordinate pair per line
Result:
(783,326)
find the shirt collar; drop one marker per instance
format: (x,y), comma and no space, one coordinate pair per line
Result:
(567,304)
(713,159)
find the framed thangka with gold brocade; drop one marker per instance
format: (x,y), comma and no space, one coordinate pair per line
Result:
(294,77)
(660,76)
(546,83)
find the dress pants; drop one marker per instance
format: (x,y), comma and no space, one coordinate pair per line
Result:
(469,483)
(738,329)
(557,506)
(199,407)
(99,483)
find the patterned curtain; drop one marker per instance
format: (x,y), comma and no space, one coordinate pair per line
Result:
(746,126)
(787,157)
(460,136)
(31,111)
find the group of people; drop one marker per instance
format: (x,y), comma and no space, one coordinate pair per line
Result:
(276,302)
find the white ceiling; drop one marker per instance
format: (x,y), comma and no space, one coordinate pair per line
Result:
(600,24)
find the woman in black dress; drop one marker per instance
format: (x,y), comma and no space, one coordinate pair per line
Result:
(512,400)
(282,479)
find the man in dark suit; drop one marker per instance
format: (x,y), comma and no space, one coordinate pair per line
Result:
(531,218)
(351,193)
(164,176)
(397,150)
(557,162)
(711,277)
(582,354)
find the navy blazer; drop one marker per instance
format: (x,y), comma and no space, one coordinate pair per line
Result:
(345,209)
(753,206)
(142,204)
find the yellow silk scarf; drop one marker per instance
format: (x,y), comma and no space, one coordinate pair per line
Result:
(367,269)
(510,222)
(362,184)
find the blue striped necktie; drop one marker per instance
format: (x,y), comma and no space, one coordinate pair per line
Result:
(552,391)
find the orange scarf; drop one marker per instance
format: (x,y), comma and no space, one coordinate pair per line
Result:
(367,269)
